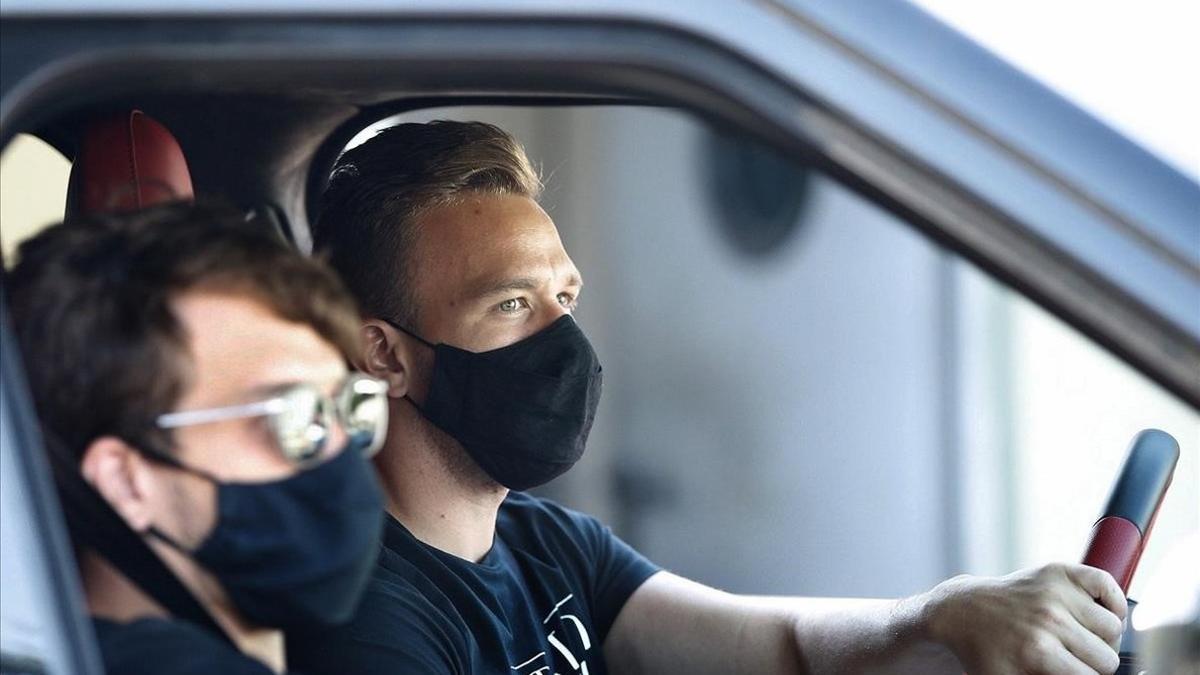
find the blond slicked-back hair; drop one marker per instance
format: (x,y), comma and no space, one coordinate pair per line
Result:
(378,190)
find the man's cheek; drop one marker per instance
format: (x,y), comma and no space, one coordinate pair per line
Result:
(188,508)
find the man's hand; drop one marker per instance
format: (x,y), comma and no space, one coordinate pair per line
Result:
(1054,619)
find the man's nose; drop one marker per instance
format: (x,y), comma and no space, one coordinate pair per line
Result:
(554,311)
(337,437)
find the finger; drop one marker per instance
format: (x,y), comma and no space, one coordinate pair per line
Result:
(1051,657)
(1090,649)
(1098,620)
(1101,586)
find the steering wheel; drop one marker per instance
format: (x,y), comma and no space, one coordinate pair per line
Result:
(1120,534)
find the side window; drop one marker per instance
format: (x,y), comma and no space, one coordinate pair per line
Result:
(38,587)
(33,190)
(794,372)
(1042,407)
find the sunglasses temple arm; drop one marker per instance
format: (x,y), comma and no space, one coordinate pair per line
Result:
(191,417)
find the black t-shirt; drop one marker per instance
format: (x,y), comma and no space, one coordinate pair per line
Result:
(158,646)
(541,601)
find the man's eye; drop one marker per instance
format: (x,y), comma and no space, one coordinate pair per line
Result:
(263,430)
(513,305)
(567,300)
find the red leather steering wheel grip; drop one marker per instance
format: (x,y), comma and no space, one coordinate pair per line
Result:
(1120,535)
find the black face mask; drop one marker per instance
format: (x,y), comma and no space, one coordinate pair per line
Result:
(296,553)
(523,412)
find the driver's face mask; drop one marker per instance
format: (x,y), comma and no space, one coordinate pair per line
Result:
(523,412)
(295,553)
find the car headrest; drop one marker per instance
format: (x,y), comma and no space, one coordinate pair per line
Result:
(126,162)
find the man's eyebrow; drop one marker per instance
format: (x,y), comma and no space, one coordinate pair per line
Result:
(489,287)
(273,388)
(267,389)
(255,393)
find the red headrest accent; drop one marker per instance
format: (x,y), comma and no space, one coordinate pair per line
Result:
(126,162)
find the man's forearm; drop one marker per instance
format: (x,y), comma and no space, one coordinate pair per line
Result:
(673,625)
(1053,619)
(865,636)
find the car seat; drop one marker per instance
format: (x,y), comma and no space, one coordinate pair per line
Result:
(125,162)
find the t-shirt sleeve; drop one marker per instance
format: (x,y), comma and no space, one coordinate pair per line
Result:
(615,570)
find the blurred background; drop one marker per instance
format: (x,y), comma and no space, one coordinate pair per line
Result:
(803,395)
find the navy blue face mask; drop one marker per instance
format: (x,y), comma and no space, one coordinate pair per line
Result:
(522,412)
(295,553)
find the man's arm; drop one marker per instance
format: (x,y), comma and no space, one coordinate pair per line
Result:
(1037,621)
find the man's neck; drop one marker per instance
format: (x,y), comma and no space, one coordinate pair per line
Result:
(111,595)
(435,490)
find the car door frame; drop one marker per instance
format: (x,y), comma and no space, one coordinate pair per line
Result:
(928,162)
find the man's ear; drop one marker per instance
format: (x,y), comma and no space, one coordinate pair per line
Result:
(121,476)
(386,356)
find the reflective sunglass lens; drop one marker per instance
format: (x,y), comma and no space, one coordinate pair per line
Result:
(302,427)
(364,411)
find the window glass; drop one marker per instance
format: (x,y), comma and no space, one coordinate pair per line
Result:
(33,190)
(1069,399)
(804,395)
(1046,413)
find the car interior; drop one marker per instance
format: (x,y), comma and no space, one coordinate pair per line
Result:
(800,363)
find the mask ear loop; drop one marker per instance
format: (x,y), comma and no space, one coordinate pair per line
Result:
(409,333)
(418,338)
(167,539)
(165,458)
(416,406)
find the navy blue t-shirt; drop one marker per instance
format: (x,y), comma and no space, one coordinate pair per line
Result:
(157,646)
(541,601)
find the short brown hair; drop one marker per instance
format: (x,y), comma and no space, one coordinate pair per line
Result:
(378,190)
(91,303)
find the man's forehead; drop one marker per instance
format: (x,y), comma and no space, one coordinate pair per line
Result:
(238,348)
(475,245)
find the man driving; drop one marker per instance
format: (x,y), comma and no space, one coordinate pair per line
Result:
(468,294)
(190,372)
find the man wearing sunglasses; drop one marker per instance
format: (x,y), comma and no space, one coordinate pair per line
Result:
(208,440)
(469,293)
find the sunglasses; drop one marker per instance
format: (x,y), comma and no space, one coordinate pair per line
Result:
(300,417)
